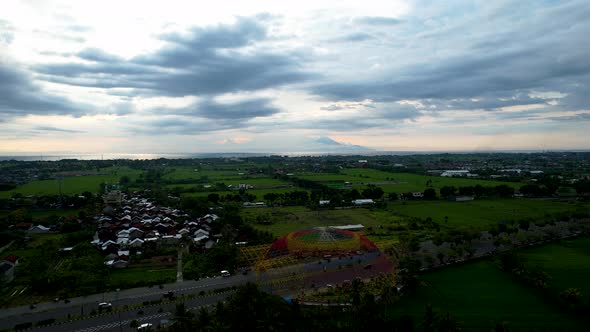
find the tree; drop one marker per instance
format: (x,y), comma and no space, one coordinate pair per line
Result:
(430,193)
(447,323)
(134,324)
(504,190)
(373,192)
(392,196)
(447,191)
(467,190)
(213,198)
(124,180)
(572,297)
(429,320)
(354,194)
(500,326)
(531,190)
(182,318)
(271,197)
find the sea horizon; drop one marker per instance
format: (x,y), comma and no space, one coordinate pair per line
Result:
(196,155)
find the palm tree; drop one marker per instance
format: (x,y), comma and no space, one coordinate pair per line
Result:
(500,326)
(428,323)
(182,318)
(134,324)
(448,323)
(572,297)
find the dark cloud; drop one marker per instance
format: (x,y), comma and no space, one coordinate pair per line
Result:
(572,118)
(205,61)
(214,110)
(498,66)
(206,116)
(180,125)
(346,106)
(333,108)
(241,110)
(377,20)
(98,55)
(242,33)
(49,128)
(356,37)
(19,96)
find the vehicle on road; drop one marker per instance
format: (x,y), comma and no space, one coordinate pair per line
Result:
(145,327)
(225,273)
(105,305)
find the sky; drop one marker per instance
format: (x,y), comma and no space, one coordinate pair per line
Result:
(293,76)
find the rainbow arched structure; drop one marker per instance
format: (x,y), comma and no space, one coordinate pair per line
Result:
(317,257)
(320,241)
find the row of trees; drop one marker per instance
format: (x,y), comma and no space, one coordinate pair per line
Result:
(250,309)
(569,298)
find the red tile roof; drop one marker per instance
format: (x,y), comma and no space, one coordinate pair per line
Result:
(12,258)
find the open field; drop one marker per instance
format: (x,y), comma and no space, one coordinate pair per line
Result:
(479,213)
(73,184)
(567,262)
(257,182)
(258,192)
(293,218)
(404,182)
(185,173)
(123,278)
(37,215)
(479,293)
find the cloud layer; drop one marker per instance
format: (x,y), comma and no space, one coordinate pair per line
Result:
(475,69)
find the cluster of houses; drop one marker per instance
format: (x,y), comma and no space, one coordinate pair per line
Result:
(140,223)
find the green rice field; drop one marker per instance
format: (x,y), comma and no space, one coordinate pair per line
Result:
(479,293)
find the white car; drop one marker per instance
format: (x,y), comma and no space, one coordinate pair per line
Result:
(145,327)
(104,305)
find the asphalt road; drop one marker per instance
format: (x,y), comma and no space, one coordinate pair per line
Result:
(316,273)
(120,321)
(84,305)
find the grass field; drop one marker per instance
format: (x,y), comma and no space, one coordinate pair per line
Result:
(479,293)
(481,212)
(73,184)
(183,173)
(258,192)
(567,262)
(130,275)
(406,182)
(293,218)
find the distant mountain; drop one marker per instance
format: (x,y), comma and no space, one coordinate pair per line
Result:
(328,141)
(326,144)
